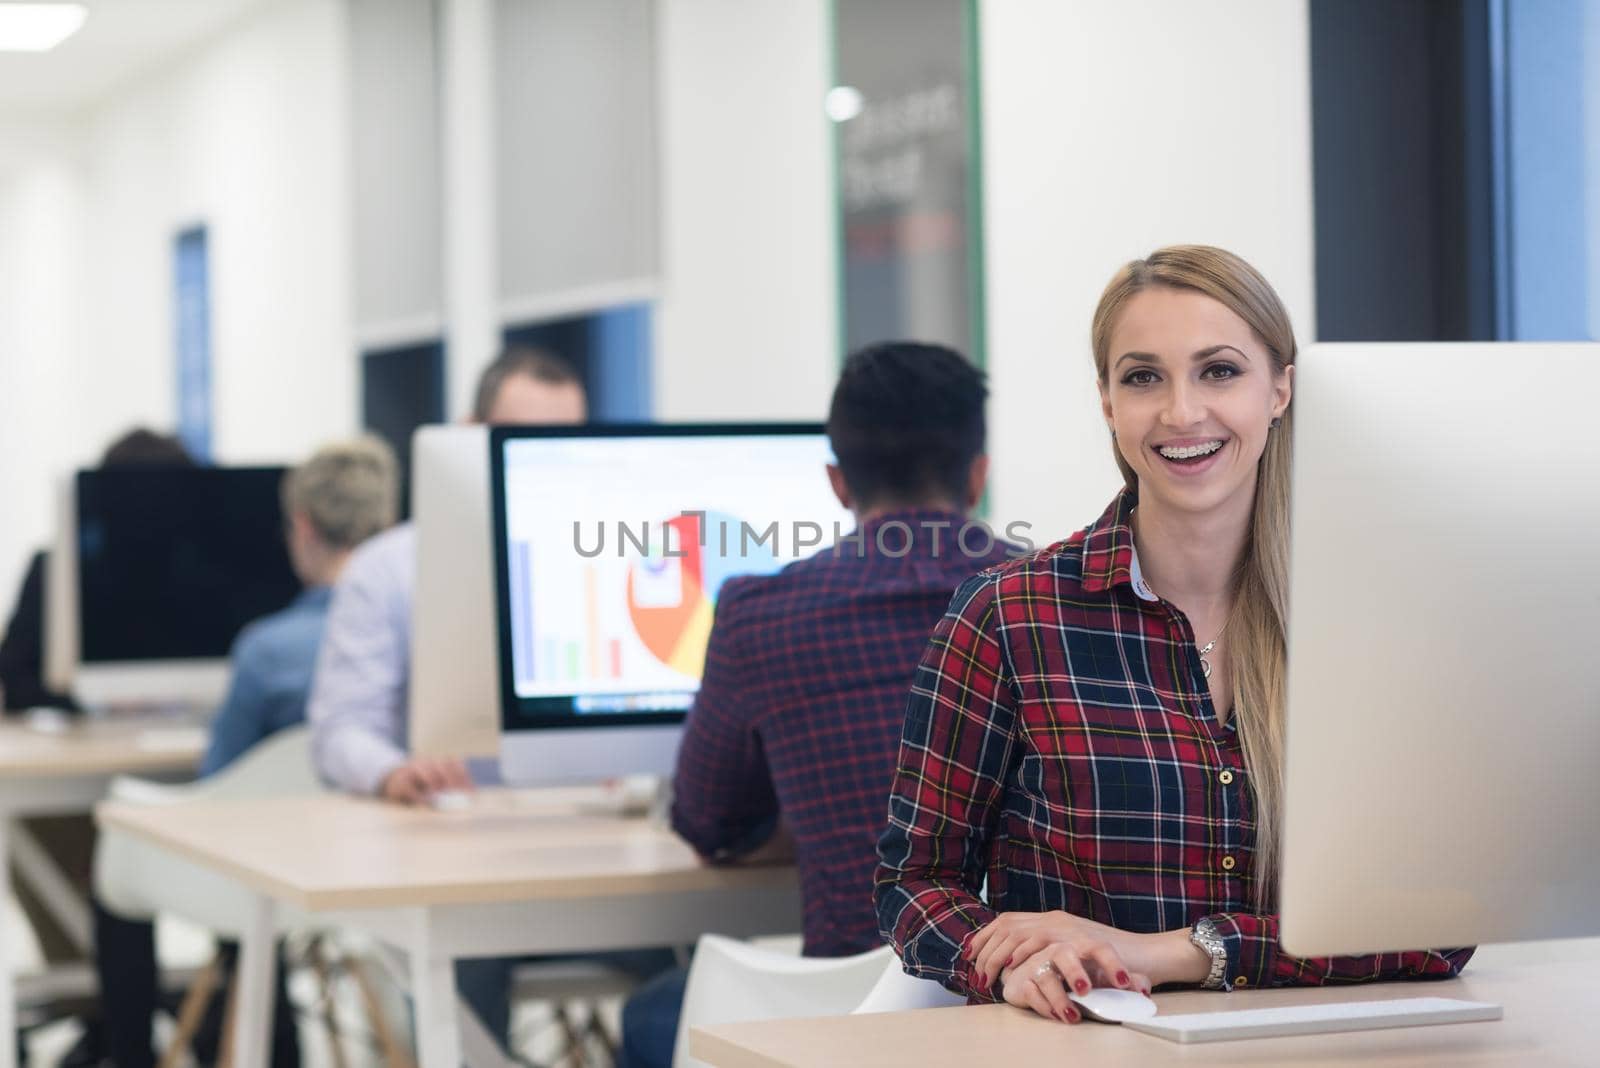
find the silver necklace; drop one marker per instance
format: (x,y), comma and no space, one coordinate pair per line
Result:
(1205,665)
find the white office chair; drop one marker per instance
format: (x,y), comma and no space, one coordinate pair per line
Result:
(896,991)
(137,880)
(734,982)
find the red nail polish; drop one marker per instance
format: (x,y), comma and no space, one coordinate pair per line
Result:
(1072,1016)
(1122,978)
(1083,986)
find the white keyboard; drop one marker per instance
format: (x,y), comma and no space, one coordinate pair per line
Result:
(1314,1019)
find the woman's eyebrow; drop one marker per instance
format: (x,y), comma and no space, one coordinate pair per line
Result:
(1203,354)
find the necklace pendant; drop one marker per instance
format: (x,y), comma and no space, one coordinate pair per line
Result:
(1205,667)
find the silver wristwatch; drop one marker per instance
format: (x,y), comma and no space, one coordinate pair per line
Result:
(1206,937)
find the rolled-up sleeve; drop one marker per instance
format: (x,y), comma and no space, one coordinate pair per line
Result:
(954,755)
(357,709)
(1256,958)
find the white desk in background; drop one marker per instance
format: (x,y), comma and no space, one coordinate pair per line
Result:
(499,879)
(66,771)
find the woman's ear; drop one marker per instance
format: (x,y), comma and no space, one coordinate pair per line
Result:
(1283,391)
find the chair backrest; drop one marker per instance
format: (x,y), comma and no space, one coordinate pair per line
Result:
(276,766)
(733,982)
(896,991)
(135,879)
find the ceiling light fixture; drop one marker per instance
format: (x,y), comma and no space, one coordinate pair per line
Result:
(38,27)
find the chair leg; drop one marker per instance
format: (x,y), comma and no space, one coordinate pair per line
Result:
(315,953)
(597,1030)
(395,1053)
(191,1012)
(229,1011)
(570,1035)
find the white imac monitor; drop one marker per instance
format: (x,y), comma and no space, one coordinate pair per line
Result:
(1444,622)
(455,665)
(154,573)
(611,546)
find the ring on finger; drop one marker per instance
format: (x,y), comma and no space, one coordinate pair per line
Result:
(1044,969)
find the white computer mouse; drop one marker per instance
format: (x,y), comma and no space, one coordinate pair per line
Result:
(49,720)
(1109,1005)
(450,800)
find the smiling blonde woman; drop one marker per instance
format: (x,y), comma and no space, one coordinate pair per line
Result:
(1097,729)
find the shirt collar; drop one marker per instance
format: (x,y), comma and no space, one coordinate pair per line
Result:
(914,518)
(1109,558)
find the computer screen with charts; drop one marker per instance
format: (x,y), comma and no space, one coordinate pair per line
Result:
(612,545)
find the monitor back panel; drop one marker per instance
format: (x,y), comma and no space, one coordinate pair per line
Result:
(1444,647)
(455,683)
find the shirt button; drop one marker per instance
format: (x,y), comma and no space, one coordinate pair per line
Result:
(1227,863)
(1241,981)
(1225,778)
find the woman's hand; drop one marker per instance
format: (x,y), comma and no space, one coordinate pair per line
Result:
(1013,937)
(1041,982)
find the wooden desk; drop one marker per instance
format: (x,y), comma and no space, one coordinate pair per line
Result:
(510,877)
(67,772)
(1550,1019)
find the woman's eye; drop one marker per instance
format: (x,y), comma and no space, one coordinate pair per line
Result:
(1220,371)
(1139,378)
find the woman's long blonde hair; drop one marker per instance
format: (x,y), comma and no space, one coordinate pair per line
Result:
(1258,622)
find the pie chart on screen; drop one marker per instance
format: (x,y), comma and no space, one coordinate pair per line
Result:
(671,600)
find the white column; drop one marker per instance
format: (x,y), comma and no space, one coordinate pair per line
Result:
(468,209)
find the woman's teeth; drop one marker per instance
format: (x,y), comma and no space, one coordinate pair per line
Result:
(1190,452)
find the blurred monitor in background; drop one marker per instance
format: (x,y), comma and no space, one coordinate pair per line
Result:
(163,567)
(22,653)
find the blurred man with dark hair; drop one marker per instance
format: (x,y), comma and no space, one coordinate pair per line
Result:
(801,705)
(523,382)
(22,652)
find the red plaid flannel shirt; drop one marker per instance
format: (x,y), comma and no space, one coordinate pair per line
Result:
(1060,740)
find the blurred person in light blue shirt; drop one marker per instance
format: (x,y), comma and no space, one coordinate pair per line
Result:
(345,493)
(332,503)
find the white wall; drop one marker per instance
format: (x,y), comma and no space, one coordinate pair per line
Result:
(1111,128)
(41,318)
(248,136)
(745,326)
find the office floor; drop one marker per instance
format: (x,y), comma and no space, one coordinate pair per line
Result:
(183,946)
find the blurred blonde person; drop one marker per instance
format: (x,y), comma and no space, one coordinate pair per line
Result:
(343,495)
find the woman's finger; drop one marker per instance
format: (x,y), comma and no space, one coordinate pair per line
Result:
(1001,925)
(1000,952)
(1035,1000)
(1108,966)
(1069,966)
(981,939)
